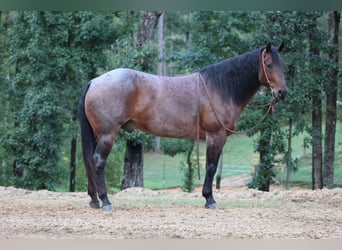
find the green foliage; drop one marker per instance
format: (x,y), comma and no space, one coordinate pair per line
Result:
(262,178)
(35,141)
(216,35)
(189,170)
(114,169)
(126,55)
(173,147)
(47,70)
(138,137)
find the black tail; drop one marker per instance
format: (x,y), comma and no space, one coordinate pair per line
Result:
(88,141)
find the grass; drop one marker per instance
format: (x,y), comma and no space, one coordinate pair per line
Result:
(163,171)
(302,177)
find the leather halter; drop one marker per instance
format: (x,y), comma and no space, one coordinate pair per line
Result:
(265,72)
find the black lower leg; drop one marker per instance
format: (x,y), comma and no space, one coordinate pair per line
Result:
(207,191)
(101,185)
(92,186)
(214,148)
(102,151)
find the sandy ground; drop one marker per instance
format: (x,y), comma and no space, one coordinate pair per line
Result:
(171,214)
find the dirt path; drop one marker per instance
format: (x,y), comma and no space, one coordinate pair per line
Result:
(142,213)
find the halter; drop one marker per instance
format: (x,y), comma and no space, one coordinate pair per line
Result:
(265,73)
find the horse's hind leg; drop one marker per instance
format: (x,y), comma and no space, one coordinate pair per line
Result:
(103,148)
(92,192)
(92,181)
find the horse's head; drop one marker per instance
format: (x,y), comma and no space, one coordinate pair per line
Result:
(271,71)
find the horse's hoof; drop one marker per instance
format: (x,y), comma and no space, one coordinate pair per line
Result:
(108,207)
(94,204)
(211,206)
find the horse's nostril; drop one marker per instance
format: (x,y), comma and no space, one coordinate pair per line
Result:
(281,94)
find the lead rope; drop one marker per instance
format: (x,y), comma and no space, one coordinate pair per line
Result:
(197,132)
(212,106)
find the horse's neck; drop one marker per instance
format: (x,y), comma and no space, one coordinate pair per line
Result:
(244,103)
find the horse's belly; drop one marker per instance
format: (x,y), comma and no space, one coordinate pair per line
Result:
(168,126)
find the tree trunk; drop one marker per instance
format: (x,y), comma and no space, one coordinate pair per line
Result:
(17,172)
(73,164)
(265,138)
(161,63)
(133,166)
(189,176)
(317,176)
(289,157)
(149,23)
(331,92)
(317,173)
(146,33)
(187,33)
(264,167)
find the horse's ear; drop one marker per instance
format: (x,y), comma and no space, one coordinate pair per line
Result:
(268,47)
(281,47)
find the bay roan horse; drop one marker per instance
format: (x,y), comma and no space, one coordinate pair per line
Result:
(206,104)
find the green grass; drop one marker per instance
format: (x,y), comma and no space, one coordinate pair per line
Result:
(162,171)
(303,177)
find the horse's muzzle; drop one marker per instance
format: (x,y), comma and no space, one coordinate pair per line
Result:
(281,94)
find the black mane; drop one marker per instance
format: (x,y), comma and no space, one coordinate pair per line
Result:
(236,78)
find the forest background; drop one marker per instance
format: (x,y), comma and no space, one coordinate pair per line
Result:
(47,57)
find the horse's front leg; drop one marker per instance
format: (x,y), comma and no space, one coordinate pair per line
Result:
(215,145)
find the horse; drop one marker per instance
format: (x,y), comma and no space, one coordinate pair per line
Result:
(205,104)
